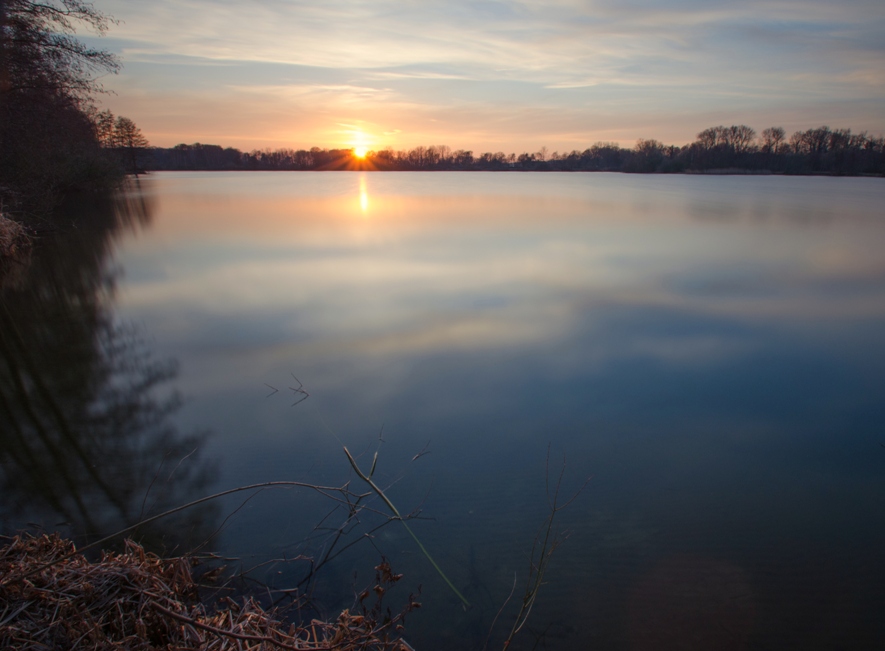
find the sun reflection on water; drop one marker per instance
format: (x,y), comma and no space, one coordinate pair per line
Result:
(364,195)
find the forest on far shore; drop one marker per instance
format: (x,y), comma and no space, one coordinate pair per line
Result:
(720,149)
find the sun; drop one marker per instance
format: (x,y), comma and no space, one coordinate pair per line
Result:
(359,143)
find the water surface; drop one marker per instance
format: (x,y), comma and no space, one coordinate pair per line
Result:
(708,349)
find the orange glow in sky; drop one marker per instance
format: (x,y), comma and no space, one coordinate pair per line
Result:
(359,142)
(487,77)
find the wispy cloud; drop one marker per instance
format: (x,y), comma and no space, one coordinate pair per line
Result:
(375,60)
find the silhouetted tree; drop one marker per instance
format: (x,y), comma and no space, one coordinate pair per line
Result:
(40,51)
(104,129)
(773,139)
(463,159)
(647,156)
(709,138)
(741,137)
(47,76)
(130,141)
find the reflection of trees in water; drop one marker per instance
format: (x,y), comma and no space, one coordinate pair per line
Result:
(85,431)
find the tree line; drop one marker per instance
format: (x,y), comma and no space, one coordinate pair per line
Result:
(718,149)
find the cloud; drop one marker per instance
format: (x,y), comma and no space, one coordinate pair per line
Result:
(376,61)
(536,38)
(413,75)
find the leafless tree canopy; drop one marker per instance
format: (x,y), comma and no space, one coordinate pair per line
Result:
(38,49)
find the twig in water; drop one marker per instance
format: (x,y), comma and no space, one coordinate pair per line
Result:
(543,547)
(397,516)
(498,614)
(168,479)
(328,491)
(299,390)
(423,451)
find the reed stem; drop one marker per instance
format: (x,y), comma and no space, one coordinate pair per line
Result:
(395,511)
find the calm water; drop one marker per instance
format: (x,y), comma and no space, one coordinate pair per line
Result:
(710,350)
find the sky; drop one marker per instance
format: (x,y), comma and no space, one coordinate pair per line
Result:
(499,75)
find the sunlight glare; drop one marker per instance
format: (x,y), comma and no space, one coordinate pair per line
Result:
(364,195)
(360,143)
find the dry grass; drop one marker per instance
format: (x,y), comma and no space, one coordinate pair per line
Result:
(15,250)
(13,238)
(139,602)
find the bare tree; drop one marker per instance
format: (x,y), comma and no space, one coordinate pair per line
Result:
(48,142)
(773,139)
(129,140)
(812,141)
(741,137)
(648,146)
(104,128)
(39,50)
(709,138)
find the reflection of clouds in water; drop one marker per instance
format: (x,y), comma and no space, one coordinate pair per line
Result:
(704,349)
(303,269)
(514,271)
(338,297)
(782,202)
(713,211)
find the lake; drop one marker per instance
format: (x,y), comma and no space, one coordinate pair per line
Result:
(708,350)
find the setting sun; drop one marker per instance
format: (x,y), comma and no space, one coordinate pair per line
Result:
(360,151)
